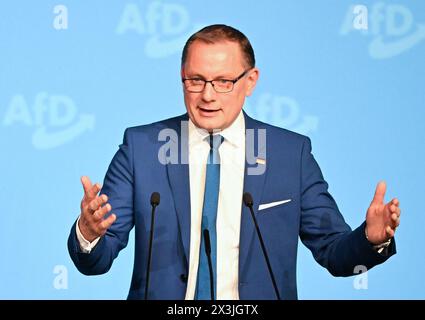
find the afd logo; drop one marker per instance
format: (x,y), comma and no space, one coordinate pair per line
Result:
(283,112)
(391,27)
(53,117)
(166,25)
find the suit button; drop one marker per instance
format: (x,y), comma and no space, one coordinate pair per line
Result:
(183,278)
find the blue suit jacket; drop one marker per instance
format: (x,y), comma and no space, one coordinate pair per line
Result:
(290,172)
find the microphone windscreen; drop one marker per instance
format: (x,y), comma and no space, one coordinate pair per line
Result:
(247,199)
(155,199)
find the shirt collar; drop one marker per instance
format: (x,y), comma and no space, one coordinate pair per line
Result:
(234,134)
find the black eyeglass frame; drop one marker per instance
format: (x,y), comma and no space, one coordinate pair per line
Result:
(233,81)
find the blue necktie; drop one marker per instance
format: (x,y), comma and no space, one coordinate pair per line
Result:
(209,215)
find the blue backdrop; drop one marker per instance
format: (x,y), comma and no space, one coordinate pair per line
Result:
(75,74)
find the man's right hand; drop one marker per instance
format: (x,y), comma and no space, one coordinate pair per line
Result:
(93,210)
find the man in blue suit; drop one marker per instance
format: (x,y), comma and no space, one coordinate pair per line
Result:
(201,163)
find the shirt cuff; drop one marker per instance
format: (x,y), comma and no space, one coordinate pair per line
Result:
(379,247)
(85,245)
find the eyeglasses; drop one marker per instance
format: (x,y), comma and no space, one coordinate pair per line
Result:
(219,85)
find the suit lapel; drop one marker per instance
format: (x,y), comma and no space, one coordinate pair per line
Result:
(178,176)
(254,184)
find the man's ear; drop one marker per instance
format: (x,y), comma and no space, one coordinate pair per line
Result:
(252,78)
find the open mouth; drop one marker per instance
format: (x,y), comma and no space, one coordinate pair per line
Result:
(208,110)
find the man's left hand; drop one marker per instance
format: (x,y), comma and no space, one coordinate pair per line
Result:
(382,219)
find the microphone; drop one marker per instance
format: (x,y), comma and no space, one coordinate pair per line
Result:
(154,203)
(249,202)
(208,253)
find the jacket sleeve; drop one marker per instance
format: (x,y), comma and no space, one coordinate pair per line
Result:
(118,186)
(323,229)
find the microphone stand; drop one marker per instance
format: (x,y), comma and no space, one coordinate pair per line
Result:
(210,268)
(154,203)
(247,199)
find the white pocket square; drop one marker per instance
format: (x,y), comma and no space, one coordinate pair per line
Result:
(272,204)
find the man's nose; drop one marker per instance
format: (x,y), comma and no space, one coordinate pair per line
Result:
(209,92)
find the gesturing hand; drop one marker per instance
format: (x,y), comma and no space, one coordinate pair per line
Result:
(93,209)
(382,219)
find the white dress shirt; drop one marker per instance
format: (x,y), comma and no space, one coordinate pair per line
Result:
(85,245)
(232,165)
